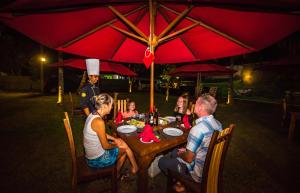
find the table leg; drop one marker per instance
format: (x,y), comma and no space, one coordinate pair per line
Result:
(142,181)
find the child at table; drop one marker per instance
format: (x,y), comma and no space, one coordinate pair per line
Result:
(181,108)
(130,110)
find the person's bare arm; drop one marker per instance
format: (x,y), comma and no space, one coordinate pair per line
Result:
(187,156)
(86,111)
(188,112)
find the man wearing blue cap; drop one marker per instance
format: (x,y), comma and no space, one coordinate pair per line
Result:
(90,90)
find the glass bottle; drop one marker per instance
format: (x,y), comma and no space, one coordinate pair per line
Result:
(151,119)
(155,117)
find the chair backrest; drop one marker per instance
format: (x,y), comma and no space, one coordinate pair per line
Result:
(192,108)
(72,148)
(214,161)
(121,104)
(213,91)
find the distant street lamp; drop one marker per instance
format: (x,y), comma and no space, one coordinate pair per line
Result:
(42,60)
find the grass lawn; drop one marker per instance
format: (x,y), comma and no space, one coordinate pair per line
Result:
(35,154)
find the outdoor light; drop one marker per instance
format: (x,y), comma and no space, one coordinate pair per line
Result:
(43,59)
(247,76)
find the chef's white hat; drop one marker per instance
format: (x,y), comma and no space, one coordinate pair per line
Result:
(92,66)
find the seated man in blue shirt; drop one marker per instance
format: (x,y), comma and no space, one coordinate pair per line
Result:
(189,161)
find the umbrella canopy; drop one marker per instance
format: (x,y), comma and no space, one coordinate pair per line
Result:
(105,67)
(287,6)
(201,33)
(192,70)
(174,31)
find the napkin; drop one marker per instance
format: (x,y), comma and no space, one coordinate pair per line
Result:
(186,122)
(119,118)
(147,135)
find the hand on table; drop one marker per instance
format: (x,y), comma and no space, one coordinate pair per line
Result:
(181,151)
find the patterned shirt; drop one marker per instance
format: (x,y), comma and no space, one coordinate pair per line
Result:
(198,142)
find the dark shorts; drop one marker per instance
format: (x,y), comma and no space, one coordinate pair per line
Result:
(172,163)
(107,159)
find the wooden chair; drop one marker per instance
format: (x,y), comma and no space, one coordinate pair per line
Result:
(213,91)
(75,111)
(119,104)
(213,166)
(192,107)
(81,172)
(294,117)
(290,103)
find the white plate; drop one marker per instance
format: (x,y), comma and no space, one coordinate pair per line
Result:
(145,142)
(172,131)
(126,129)
(170,118)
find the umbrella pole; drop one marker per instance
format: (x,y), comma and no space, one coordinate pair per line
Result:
(60,85)
(152,86)
(200,81)
(167,92)
(197,85)
(152,42)
(60,81)
(130,84)
(230,88)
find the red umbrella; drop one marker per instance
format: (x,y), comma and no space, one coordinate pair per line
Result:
(175,32)
(193,70)
(104,67)
(198,70)
(213,32)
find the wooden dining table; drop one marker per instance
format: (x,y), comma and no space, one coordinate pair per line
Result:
(146,152)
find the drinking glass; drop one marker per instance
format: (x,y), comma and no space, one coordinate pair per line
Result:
(178,120)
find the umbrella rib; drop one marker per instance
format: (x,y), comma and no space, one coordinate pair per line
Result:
(233,39)
(175,22)
(129,34)
(128,22)
(175,34)
(166,18)
(99,27)
(124,38)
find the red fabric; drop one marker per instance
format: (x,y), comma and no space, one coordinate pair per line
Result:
(119,118)
(105,67)
(192,70)
(255,29)
(186,122)
(148,58)
(42,4)
(147,135)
